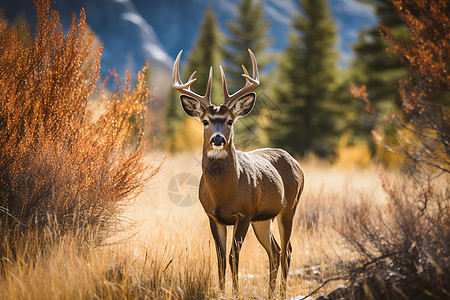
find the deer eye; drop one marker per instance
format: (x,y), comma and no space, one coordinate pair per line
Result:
(206,123)
(230,122)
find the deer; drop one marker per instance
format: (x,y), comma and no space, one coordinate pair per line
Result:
(241,188)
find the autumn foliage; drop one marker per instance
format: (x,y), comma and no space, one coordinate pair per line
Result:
(405,243)
(423,128)
(59,162)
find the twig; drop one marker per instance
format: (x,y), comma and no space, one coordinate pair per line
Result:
(323,284)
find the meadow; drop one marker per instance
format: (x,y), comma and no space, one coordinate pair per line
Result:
(167,250)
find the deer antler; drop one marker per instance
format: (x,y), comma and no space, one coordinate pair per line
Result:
(250,82)
(185,88)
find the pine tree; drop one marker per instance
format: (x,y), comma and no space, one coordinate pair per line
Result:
(249,30)
(206,52)
(306,82)
(375,64)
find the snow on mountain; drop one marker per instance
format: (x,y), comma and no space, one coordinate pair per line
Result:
(128,39)
(177,21)
(134,31)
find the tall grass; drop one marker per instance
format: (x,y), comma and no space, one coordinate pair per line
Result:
(171,254)
(60,269)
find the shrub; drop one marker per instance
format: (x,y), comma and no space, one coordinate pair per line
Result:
(58,163)
(422,132)
(405,245)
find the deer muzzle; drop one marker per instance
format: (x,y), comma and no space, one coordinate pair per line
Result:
(217,141)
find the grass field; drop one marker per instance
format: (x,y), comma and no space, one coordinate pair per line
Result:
(168,251)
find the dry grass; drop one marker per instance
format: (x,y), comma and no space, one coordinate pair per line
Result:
(171,253)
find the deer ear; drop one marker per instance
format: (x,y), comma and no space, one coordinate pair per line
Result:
(244,105)
(191,107)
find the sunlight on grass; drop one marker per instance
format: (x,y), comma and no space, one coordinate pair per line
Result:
(169,251)
(318,248)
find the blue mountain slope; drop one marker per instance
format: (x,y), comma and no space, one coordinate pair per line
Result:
(134,31)
(177,21)
(127,38)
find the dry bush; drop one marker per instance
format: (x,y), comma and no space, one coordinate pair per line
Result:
(425,95)
(405,243)
(57,164)
(422,130)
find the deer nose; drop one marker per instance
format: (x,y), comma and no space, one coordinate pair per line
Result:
(217,141)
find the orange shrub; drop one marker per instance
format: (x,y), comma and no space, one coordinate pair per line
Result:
(56,163)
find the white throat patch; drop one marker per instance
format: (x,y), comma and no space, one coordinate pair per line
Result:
(217,153)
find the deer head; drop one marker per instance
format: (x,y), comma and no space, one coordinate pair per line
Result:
(218,121)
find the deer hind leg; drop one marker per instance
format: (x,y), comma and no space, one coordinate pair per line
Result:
(285,227)
(240,230)
(219,232)
(267,240)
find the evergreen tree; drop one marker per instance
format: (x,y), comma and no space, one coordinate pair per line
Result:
(249,30)
(306,83)
(376,67)
(206,52)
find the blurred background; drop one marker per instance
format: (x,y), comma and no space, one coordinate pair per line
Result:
(309,52)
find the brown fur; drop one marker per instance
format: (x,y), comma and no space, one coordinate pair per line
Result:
(248,187)
(242,188)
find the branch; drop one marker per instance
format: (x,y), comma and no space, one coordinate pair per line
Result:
(323,284)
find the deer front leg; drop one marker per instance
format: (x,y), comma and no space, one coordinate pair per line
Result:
(265,237)
(240,230)
(219,232)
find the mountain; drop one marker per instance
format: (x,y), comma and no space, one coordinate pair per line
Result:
(133,31)
(127,38)
(176,21)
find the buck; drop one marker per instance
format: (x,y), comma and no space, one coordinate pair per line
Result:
(242,188)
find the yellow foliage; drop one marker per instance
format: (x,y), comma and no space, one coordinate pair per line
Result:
(189,135)
(349,156)
(388,158)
